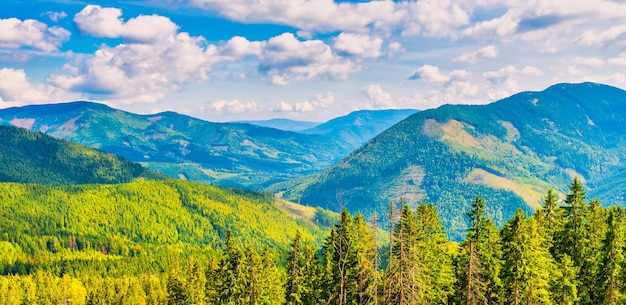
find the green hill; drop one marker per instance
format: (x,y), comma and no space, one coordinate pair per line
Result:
(67,203)
(28,156)
(509,152)
(226,154)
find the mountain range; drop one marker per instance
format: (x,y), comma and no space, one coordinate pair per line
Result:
(226,154)
(510,152)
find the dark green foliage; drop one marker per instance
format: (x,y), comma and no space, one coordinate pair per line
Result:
(32,157)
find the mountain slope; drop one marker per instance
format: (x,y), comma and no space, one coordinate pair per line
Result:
(135,227)
(283,124)
(33,157)
(509,152)
(359,127)
(227,154)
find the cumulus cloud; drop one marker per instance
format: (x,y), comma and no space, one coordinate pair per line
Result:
(435,18)
(285,58)
(619,60)
(432,74)
(55,16)
(308,15)
(613,35)
(378,97)
(15,33)
(106,22)
(470,87)
(154,60)
(16,89)
(233,106)
(358,45)
(487,52)
(319,101)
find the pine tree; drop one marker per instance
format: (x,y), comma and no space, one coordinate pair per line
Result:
(572,240)
(564,286)
(540,268)
(295,276)
(231,286)
(404,273)
(590,273)
(434,256)
(176,288)
(366,256)
(611,275)
(514,249)
(479,281)
(340,262)
(311,276)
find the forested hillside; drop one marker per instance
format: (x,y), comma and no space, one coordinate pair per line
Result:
(226,154)
(33,157)
(511,151)
(569,251)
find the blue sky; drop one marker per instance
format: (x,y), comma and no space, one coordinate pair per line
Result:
(312,60)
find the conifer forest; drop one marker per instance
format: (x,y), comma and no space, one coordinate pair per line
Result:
(570,251)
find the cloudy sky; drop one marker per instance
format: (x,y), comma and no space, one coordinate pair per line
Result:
(312,60)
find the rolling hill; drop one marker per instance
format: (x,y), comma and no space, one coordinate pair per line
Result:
(509,152)
(63,204)
(33,157)
(226,154)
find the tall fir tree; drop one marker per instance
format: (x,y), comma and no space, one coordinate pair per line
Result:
(295,289)
(612,272)
(514,249)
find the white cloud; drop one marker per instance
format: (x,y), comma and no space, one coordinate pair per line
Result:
(497,27)
(55,16)
(239,47)
(233,106)
(319,101)
(16,90)
(613,35)
(435,18)
(308,15)
(106,22)
(155,60)
(619,60)
(470,87)
(432,74)
(15,34)
(378,97)
(358,45)
(487,52)
(285,58)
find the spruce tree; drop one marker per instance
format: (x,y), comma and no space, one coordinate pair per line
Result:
(515,255)
(366,256)
(612,269)
(479,264)
(295,265)
(434,256)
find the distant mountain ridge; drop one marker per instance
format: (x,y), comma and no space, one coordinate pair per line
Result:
(282,124)
(358,127)
(226,154)
(509,152)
